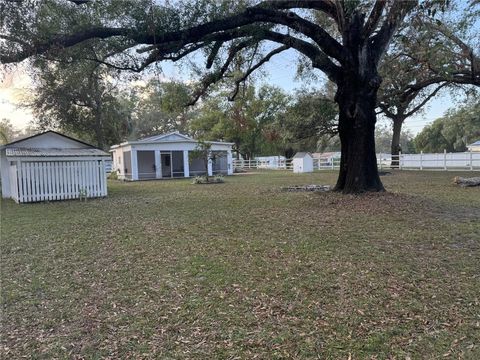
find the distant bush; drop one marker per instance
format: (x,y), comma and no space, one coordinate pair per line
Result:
(198,180)
(217,179)
(113,175)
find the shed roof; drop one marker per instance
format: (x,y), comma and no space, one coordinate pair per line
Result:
(48,132)
(301,155)
(171,137)
(25,151)
(51,144)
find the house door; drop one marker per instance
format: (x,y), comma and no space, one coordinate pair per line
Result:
(166,160)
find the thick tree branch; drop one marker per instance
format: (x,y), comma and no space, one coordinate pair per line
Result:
(327,43)
(386,110)
(213,54)
(62,41)
(319,59)
(214,77)
(467,52)
(374,18)
(325,6)
(397,13)
(427,99)
(255,14)
(255,67)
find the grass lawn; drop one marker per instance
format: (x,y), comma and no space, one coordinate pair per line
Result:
(241,270)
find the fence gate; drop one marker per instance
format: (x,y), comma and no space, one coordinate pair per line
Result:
(33,181)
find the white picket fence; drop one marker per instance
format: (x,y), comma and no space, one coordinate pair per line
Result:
(436,161)
(33,181)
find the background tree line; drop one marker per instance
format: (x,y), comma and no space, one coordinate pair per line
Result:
(81,92)
(262,120)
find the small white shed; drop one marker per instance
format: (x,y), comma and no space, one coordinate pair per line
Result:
(302,162)
(51,166)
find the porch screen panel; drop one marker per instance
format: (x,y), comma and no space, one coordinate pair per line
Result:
(220,162)
(177,164)
(197,167)
(127,163)
(146,164)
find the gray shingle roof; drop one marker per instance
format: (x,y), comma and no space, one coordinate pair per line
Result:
(300,155)
(160,137)
(22,151)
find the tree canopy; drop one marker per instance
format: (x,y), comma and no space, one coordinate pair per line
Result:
(344,39)
(160,107)
(452,132)
(427,57)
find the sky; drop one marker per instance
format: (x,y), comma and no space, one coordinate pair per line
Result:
(16,85)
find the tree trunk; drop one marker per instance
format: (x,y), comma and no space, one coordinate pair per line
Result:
(99,129)
(98,113)
(395,148)
(207,159)
(464,182)
(358,164)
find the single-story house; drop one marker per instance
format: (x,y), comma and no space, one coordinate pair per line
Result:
(474,147)
(168,156)
(302,162)
(52,166)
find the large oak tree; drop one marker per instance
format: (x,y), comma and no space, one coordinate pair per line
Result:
(145,32)
(426,56)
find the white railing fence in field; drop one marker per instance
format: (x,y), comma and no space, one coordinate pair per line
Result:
(431,161)
(57,180)
(263,164)
(435,161)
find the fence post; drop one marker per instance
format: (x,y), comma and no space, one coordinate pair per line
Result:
(471,160)
(400,160)
(421,158)
(445,159)
(333,163)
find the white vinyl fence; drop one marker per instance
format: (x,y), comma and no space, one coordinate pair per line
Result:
(263,164)
(33,181)
(432,161)
(438,161)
